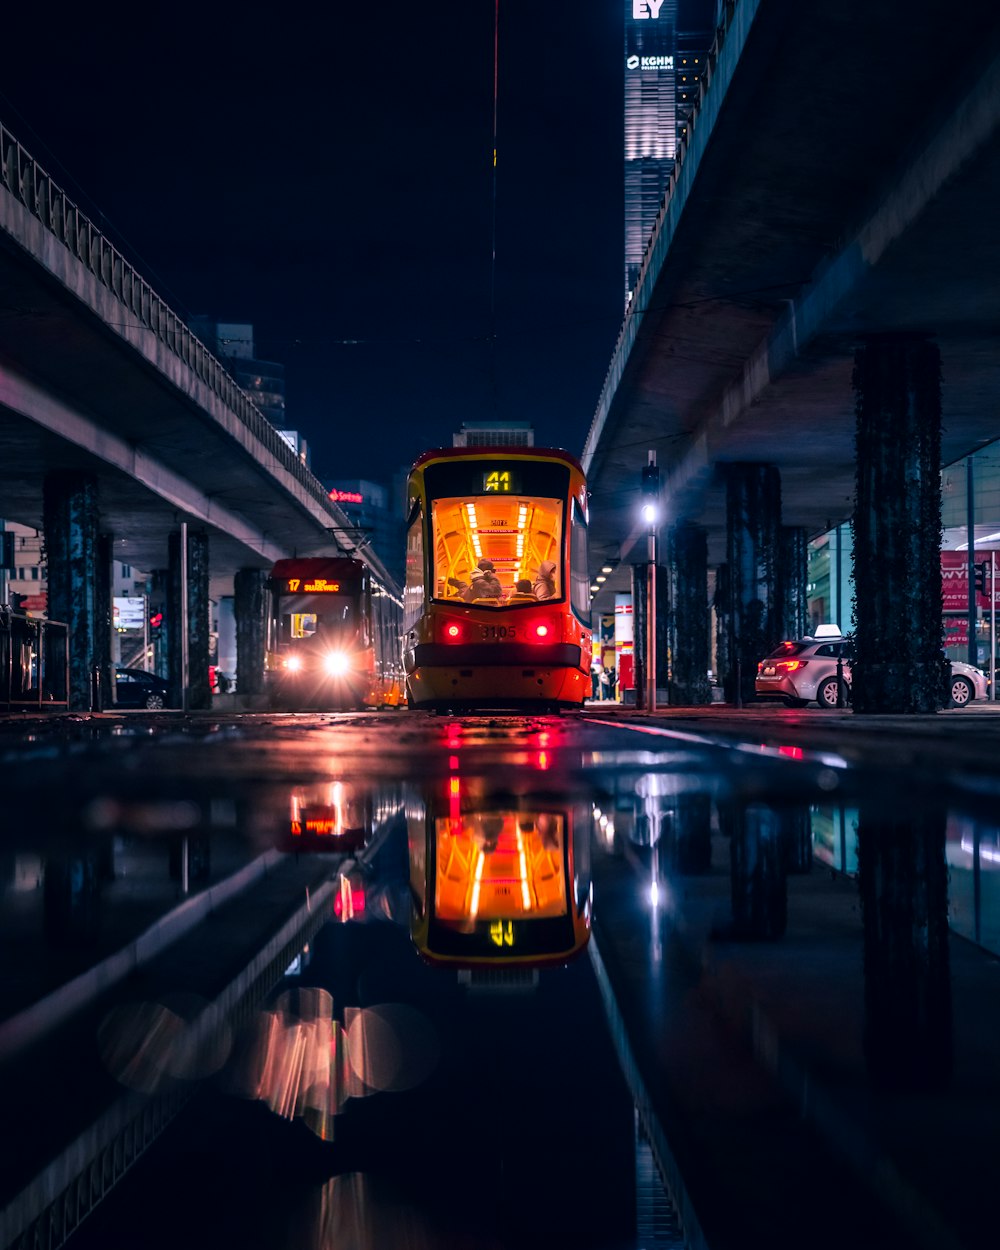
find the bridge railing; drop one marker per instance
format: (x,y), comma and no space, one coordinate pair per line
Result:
(25,179)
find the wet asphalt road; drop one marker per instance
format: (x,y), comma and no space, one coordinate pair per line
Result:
(522,1130)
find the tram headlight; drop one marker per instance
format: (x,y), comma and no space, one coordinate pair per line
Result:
(293,663)
(336,663)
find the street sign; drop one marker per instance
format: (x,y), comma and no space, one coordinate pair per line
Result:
(129,613)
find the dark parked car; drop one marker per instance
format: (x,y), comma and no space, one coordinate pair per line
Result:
(134,688)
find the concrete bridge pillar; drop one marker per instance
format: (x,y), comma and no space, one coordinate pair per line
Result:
(898,665)
(104,621)
(793,577)
(687,623)
(720,602)
(639,597)
(251,609)
(753,526)
(199,696)
(72,557)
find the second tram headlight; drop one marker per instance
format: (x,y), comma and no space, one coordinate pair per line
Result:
(293,663)
(336,663)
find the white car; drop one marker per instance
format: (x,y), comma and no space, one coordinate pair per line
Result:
(807,670)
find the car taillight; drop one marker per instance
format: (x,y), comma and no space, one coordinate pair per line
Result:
(789,666)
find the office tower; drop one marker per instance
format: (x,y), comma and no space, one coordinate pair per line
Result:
(665,46)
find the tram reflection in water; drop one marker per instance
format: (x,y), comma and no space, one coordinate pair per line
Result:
(498,883)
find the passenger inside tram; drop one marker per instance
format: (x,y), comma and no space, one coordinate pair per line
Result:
(492,551)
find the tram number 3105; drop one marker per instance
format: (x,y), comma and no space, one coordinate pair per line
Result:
(498,633)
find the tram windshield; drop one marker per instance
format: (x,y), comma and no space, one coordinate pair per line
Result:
(497,551)
(324,617)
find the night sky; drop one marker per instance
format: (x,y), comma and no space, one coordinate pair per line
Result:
(326,175)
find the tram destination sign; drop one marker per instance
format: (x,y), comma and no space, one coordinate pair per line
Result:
(311,586)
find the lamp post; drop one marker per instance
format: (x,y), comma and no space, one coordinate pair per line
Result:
(650,514)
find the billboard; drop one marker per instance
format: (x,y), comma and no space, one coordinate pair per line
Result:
(129,613)
(955,581)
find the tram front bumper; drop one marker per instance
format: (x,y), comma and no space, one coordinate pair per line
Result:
(493,655)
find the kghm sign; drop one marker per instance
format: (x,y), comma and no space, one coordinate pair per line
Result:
(649,62)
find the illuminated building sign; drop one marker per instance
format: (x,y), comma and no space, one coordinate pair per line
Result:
(650,62)
(346,496)
(644,9)
(498,481)
(318,586)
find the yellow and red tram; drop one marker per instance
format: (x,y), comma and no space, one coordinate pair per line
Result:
(496,608)
(333,635)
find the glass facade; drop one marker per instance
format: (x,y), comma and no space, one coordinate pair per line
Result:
(829,589)
(970,517)
(665,44)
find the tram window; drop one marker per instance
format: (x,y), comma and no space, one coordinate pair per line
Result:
(302,624)
(579,565)
(516,533)
(305,616)
(413,594)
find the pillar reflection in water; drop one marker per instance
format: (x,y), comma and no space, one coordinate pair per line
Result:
(758,869)
(903,882)
(676,820)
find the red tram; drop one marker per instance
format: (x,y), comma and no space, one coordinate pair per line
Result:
(496,609)
(333,637)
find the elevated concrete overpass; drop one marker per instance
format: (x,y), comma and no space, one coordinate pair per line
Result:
(839,181)
(97,374)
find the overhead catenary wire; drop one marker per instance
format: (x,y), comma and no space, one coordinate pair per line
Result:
(493,208)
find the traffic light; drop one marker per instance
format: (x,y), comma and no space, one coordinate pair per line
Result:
(650,492)
(980,576)
(155,621)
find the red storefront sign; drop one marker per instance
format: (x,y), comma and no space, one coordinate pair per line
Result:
(956,632)
(955,581)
